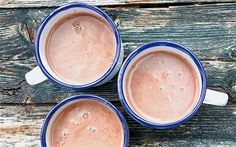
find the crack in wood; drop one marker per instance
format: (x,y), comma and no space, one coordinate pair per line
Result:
(233,53)
(31,33)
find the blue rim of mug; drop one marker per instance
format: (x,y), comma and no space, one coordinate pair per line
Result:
(121,79)
(101,13)
(84,97)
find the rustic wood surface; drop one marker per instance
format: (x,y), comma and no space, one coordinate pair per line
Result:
(207,28)
(52,3)
(20,126)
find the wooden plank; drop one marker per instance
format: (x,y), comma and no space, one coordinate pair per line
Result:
(221,76)
(20,126)
(209,35)
(55,3)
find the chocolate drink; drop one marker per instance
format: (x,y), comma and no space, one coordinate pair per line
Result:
(162,86)
(85,123)
(80,48)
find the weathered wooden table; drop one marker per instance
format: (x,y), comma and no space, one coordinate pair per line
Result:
(207,27)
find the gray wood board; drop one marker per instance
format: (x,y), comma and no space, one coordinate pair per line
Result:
(221,76)
(55,3)
(20,126)
(208,30)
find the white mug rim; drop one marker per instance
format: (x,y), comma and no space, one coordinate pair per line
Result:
(56,108)
(121,77)
(108,72)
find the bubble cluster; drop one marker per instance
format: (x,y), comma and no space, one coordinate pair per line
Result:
(64,137)
(76,123)
(88,51)
(65,134)
(77,27)
(92,129)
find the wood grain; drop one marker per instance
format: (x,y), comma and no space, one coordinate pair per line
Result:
(211,36)
(55,3)
(23,122)
(221,76)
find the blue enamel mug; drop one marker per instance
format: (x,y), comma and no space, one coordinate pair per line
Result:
(43,71)
(205,95)
(57,111)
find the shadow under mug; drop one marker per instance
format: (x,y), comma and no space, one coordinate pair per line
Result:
(206,96)
(43,72)
(59,108)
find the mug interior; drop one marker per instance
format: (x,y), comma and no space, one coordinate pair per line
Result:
(153,47)
(58,109)
(50,22)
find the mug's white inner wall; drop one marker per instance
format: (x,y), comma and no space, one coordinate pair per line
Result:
(59,112)
(45,33)
(160,48)
(54,117)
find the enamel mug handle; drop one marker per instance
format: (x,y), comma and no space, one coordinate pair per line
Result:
(35,76)
(215,98)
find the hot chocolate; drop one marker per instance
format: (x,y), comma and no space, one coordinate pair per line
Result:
(81,48)
(85,123)
(162,86)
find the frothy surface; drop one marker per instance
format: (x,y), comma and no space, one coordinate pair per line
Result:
(162,87)
(86,123)
(81,48)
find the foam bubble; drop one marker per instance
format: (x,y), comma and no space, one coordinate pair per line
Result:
(77,27)
(62,143)
(85,115)
(92,129)
(181,89)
